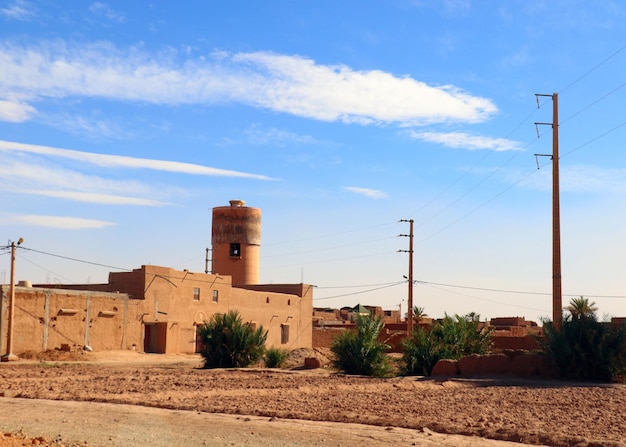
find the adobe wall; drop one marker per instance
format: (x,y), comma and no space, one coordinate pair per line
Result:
(52,318)
(170,296)
(510,363)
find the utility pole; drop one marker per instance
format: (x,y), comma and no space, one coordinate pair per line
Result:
(9,356)
(557,293)
(409,327)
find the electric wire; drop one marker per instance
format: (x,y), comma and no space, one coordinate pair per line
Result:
(74,259)
(487,300)
(360,292)
(611,56)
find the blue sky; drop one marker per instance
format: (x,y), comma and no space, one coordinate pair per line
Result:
(123,123)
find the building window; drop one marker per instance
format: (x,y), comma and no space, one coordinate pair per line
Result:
(235,250)
(196,293)
(215,296)
(284,333)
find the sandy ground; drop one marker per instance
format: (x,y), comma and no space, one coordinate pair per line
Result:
(161,400)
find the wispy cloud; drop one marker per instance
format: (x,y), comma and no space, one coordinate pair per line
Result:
(367,192)
(104,10)
(91,197)
(25,175)
(284,83)
(121,161)
(59,222)
(18,10)
(462,140)
(258,135)
(580,178)
(15,112)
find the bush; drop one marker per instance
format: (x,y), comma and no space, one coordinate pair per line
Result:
(451,338)
(274,357)
(359,351)
(585,349)
(228,342)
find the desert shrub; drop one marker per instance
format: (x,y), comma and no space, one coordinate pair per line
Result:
(275,357)
(586,349)
(450,338)
(360,351)
(228,342)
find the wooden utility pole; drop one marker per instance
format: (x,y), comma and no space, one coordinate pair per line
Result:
(9,356)
(410,278)
(557,293)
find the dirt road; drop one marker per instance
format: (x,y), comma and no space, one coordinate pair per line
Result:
(107,425)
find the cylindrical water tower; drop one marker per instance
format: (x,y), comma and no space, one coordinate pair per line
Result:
(236,240)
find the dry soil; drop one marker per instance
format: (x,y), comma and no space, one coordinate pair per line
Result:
(141,399)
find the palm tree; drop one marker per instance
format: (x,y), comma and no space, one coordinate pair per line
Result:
(419,312)
(582,308)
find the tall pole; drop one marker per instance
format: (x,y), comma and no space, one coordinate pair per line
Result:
(410,278)
(557,295)
(9,356)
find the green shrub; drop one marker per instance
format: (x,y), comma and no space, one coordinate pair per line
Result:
(360,351)
(275,357)
(585,349)
(228,342)
(450,338)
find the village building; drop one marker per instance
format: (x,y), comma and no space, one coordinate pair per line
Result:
(158,309)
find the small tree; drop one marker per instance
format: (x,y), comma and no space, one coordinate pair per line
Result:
(360,351)
(585,349)
(451,338)
(275,357)
(228,342)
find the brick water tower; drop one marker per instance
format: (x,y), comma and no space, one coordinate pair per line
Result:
(236,240)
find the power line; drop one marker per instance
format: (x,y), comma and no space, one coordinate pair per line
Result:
(354,287)
(361,292)
(74,259)
(485,289)
(593,69)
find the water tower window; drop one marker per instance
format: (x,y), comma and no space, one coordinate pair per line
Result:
(215,296)
(235,250)
(196,293)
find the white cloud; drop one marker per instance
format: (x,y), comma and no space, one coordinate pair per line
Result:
(121,161)
(372,193)
(90,197)
(462,140)
(31,176)
(283,83)
(299,86)
(19,10)
(15,112)
(59,222)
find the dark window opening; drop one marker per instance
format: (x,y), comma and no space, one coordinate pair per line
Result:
(284,333)
(235,249)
